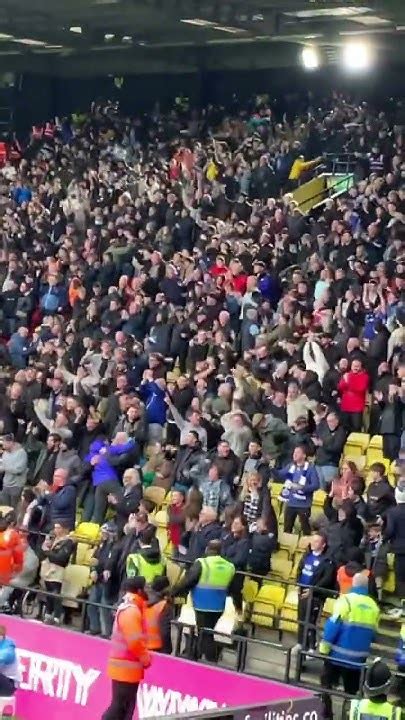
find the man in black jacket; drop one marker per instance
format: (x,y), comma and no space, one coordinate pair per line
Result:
(100,618)
(197,539)
(330,437)
(127,502)
(380,494)
(316,570)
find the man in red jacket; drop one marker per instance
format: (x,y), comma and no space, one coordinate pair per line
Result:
(353,393)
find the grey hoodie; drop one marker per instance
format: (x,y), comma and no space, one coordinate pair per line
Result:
(14,465)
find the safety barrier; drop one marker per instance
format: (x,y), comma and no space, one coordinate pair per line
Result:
(63,678)
(240,642)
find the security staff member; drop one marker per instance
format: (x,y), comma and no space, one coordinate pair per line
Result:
(158,616)
(347,638)
(376,687)
(129,656)
(147,562)
(208,579)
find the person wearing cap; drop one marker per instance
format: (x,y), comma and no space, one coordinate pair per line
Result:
(347,639)
(208,579)
(100,617)
(376,687)
(158,616)
(129,656)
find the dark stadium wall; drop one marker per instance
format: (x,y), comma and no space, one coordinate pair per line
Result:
(42,97)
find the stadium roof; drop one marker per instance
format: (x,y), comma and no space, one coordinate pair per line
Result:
(82,37)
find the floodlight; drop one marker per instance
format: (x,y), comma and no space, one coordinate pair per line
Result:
(357,56)
(310,57)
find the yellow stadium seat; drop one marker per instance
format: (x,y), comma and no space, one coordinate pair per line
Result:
(264,611)
(288,541)
(275,490)
(389,582)
(360,440)
(281,568)
(291,598)
(75,580)
(353,450)
(155,494)
(319,498)
(88,531)
(282,554)
(249,590)
(288,620)
(374,455)
(271,593)
(304,542)
(376,442)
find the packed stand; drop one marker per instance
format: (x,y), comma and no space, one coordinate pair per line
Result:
(177,334)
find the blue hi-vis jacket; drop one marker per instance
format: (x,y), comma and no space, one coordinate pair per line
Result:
(400,656)
(351,629)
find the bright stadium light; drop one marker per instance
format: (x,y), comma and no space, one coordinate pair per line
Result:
(357,56)
(310,57)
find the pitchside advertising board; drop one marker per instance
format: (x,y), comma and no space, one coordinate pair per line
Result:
(63,677)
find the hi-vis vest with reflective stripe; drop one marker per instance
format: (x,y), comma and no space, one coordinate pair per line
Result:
(369,710)
(128,653)
(351,629)
(211,590)
(137,565)
(152,615)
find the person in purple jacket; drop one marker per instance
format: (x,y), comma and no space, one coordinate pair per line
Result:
(100,458)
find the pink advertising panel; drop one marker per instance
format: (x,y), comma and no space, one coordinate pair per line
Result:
(63,677)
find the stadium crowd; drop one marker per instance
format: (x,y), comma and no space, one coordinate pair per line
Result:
(170,318)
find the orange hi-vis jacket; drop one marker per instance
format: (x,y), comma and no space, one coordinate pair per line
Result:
(345,581)
(11,555)
(152,615)
(129,655)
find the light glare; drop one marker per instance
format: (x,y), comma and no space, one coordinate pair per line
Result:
(356,56)
(310,58)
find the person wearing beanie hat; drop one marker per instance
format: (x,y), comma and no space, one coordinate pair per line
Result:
(394,533)
(376,687)
(129,655)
